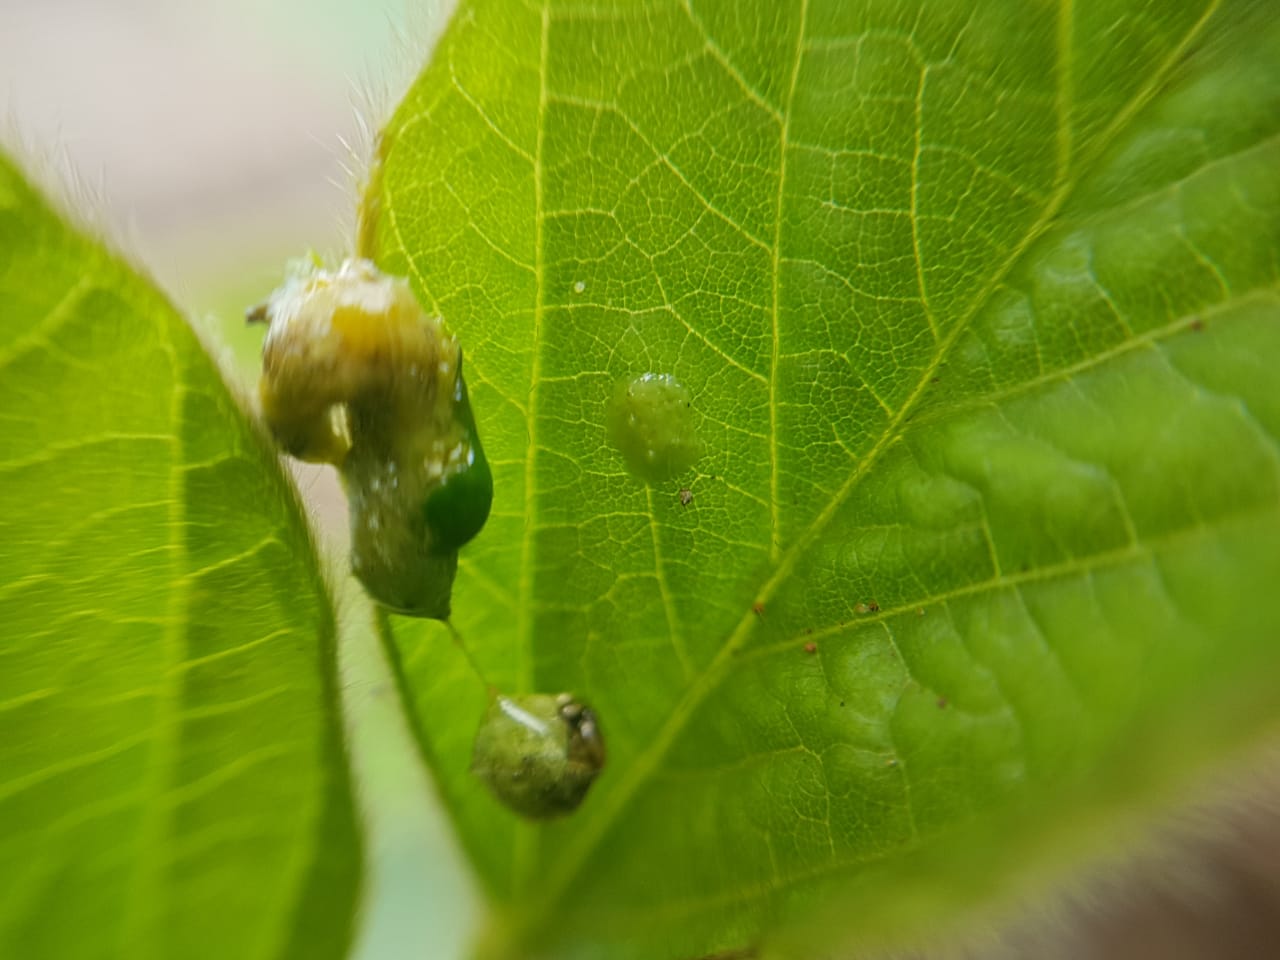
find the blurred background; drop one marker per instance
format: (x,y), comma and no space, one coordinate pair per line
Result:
(212,134)
(214,142)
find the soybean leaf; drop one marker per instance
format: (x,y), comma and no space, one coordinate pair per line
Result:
(172,778)
(979,305)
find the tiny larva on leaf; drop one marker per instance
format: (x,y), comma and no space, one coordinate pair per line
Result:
(652,423)
(539,753)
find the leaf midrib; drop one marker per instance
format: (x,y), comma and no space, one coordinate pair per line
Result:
(575,854)
(524,853)
(784,135)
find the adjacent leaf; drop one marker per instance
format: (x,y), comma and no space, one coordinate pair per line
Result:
(172,779)
(980,306)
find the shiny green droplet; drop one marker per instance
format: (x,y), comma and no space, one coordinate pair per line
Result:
(539,753)
(653,424)
(458,509)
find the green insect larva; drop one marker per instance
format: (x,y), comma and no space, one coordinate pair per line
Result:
(356,374)
(652,423)
(539,753)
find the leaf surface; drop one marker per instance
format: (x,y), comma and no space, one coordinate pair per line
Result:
(979,306)
(172,779)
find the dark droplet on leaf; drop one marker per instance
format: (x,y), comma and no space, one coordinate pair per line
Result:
(539,753)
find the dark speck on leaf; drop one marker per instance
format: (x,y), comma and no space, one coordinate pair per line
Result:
(810,647)
(942,703)
(686,497)
(758,608)
(1196,324)
(873,607)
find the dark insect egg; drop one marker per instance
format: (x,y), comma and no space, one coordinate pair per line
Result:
(538,753)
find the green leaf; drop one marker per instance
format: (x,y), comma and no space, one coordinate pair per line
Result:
(980,306)
(172,778)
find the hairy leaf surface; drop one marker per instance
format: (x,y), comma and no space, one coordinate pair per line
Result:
(979,306)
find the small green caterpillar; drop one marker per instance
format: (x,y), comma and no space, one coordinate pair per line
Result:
(539,753)
(652,423)
(356,374)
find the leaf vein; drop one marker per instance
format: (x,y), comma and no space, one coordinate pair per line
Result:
(590,832)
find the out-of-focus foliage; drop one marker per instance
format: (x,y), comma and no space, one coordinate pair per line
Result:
(172,781)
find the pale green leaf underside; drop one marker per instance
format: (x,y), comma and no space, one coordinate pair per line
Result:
(172,782)
(981,307)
